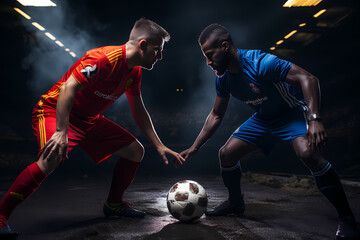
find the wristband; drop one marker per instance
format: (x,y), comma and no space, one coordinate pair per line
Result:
(313,117)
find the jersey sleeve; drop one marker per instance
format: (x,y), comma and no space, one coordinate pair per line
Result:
(134,83)
(273,68)
(91,68)
(221,87)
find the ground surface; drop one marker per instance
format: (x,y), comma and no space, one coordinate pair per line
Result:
(276,208)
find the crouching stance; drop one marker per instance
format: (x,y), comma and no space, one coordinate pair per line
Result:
(69,115)
(285,99)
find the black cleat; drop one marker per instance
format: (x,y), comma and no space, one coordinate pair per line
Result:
(228,208)
(6,233)
(347,229)
(121,210)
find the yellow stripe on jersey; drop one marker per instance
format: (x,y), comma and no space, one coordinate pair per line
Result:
(114,55)
(40,115)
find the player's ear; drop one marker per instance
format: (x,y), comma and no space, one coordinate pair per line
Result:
(143,43)
(225,46)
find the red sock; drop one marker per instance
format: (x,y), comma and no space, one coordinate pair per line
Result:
(124,174)
(24,185)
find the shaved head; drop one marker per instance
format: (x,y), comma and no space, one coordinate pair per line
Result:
(149,30)
(216,34)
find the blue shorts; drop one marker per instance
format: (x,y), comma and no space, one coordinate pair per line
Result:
(263,133)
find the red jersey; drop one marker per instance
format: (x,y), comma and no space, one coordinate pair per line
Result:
(104,74)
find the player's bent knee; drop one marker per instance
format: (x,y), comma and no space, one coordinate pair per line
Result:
(225,157)
(138,152)
(306,154)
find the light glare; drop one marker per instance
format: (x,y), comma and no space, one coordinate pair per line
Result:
(59,43)
(37,3)
(50,36)
(72,54)
(301,3)
(319,13)
(38,26)
(290,34)
(22,13)
(279,42)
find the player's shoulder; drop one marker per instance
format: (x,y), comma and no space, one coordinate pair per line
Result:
(253,54)
(106,53)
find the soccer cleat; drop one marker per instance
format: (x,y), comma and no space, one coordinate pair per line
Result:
(228,208)
(121,210)
(347,229)
(5,231)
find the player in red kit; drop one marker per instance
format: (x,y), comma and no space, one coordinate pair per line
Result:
(69,115)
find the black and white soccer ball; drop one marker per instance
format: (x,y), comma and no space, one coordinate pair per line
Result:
(187,200)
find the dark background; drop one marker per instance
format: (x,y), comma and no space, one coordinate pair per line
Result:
(327,46)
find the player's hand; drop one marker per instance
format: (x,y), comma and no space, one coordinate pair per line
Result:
(56,148)
(316,134)
(178,159)
(189,152)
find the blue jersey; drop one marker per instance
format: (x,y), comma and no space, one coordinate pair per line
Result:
(260,84)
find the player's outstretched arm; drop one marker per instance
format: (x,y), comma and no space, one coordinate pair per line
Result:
(211,124)
(56,148)
(146,126)
(310,87)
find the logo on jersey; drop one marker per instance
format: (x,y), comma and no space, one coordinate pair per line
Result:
(89,71)
(254,88)
(257,101)
(106,96)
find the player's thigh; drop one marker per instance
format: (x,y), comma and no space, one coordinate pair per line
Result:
(44,126)
(311,156)
(234,149)
(107,138)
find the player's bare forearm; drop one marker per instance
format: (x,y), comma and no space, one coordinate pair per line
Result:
(212,121)
(309,85)
(143,120)
(56,148)
(65,102)
(211,124)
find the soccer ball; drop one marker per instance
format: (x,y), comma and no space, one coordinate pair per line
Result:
(187,200)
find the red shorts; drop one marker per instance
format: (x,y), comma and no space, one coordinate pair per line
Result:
(100,138)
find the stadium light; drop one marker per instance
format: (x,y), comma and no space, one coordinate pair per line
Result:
(72,54)
(302,24)
(272,48)
(290,34)
(279,42)
(59,43)
(37,3)
(319,13)
(50,36)
(301,3)
(38,26)
(22,13)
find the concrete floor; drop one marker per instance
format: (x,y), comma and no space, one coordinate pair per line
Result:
(70,207)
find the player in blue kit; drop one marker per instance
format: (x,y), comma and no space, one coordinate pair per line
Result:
(286,101)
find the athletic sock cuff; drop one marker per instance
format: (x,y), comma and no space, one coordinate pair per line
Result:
(229,169)
(324,168)
(36,173)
